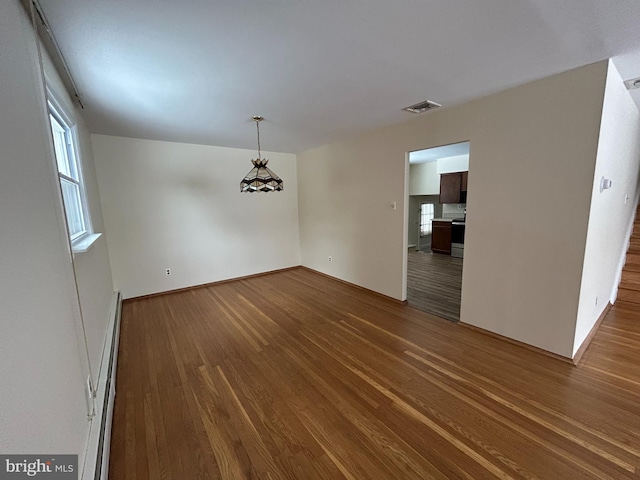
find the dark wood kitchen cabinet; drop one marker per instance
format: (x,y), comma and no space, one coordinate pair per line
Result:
(441,237)
(453,187)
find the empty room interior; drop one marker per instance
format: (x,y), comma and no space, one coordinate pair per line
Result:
(319,240)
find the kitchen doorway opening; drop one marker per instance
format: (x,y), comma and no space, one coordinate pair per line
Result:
(437,200)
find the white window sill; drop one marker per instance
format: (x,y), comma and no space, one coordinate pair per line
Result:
(85,243)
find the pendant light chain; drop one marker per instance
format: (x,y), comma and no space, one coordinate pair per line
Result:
(258,128)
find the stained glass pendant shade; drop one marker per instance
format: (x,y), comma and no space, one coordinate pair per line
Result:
(260,178)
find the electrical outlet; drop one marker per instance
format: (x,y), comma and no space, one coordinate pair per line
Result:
(167,271)
(330,259)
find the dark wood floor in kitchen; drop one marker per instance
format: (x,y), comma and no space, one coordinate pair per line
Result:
(297,376)
(434,283)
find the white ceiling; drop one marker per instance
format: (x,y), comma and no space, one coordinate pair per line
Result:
(436,153)
(196,71)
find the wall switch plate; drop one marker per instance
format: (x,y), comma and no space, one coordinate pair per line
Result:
(394,206)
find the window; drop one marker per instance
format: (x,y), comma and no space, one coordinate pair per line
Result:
(427,212)
(70,176)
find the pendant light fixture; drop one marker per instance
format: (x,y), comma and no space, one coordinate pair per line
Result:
(260,178)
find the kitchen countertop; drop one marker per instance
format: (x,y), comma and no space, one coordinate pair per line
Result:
(446,219)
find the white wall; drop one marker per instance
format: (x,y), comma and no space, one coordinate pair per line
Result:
(424,179)
(93,272)
(610,218)
(179,206)
(459,163)
(42,362)
(345,211)
(522,268)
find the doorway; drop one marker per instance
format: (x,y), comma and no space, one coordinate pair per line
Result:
(434,260)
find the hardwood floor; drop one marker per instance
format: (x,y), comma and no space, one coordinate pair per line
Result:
(434,283)
(629,290)
(298,376)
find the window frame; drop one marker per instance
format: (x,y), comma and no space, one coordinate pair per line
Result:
(67,123)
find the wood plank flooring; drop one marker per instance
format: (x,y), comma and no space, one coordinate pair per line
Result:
(434,283)
(297,376)
(629,289)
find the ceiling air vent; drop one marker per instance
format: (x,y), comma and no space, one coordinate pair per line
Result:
(633,83)
(422,107)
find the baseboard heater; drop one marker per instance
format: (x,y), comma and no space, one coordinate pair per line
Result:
(106,394)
